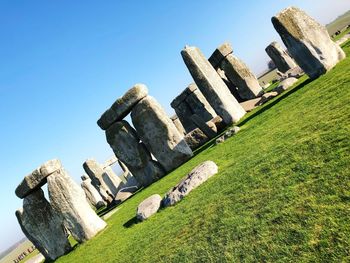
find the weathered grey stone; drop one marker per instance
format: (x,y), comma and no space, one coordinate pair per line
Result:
(220,54)
(111,161)
(307,41)
(195,178)
(69,200)
(111,180)
(126,145)
(148,207)
(237,72)
(285,84)
(43,226)
(266,97)
(208,128)
(98,179)
(212,86)
(280,57)
(183,111)
(122,106)
(249,105)
(178,124)
(159,134)
(92,195)
(37,178)
(125,193)
(229,133)
(219,123)
(196,138)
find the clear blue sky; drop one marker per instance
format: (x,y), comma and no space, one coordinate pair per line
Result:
(64,62)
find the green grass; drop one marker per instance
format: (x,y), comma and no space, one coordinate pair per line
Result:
(347,31)
(282,193)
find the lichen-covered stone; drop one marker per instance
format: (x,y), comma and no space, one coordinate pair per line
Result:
(159,134)
(43,226)
(280,57)
(37,178)
(122,106)
(148,207)
(69,200)
(126,145)
(212,86)
(92,194)
(196,138)
(195,178)
(307,41)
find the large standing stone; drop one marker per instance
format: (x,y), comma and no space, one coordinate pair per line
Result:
(178,124)
(99,179)
(69,200)
(92,194)
(212,86)
(237,72)
(195,178)
(148,207)
(122,106)
(43,226)
(37,178)
(159,134)
(111,180)
(196,138)
(307,41)
(126,145)
(280,57)
(192,101)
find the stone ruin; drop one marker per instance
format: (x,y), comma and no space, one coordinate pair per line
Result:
(47,223)
(280,57)
(307,41)
(151,149)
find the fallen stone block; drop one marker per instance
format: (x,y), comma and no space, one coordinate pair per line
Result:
(196,138)
(285,84)
(148,207)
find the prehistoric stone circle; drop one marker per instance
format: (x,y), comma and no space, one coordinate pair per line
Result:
(280,57)
(178,124)
(237,72)
(148,207)
(126,145)
(91,193)
(192,101)
(69,200)
(122,106)
(159,134)
(43,226)
(195,178)
(307,41)
(37,178)
(212,86)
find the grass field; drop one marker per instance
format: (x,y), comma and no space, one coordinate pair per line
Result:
(282,192)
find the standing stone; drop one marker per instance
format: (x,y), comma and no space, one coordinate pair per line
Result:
(110,175)
(208,128)
(212,86)
(280,57)
(178,124)
(43,226)
(37,178)
(69,200)
(159,134)
(148,207)
(92,195)
(307,41)
(196,138)
(122,106)
(237,72)
(126,145)
(99,178)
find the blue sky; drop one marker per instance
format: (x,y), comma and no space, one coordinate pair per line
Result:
(64,62)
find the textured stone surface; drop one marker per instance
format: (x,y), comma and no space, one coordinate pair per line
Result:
(285,84)
(122,106)
(212,86)
(111,180)
(69,200)
(43,226)
(280,57)
(208,128)
(125,193)
(307,41)
(249,105)
(220,54)
(183,111)
(219,123)
(238,73)
(178,124)
(229,133)
(92,194)
(195,178)
(96,174)
(196,138)
(126,145)
(148,207)
(37,178)
(159,134)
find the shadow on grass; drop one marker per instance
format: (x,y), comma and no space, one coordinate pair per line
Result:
(131,222)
